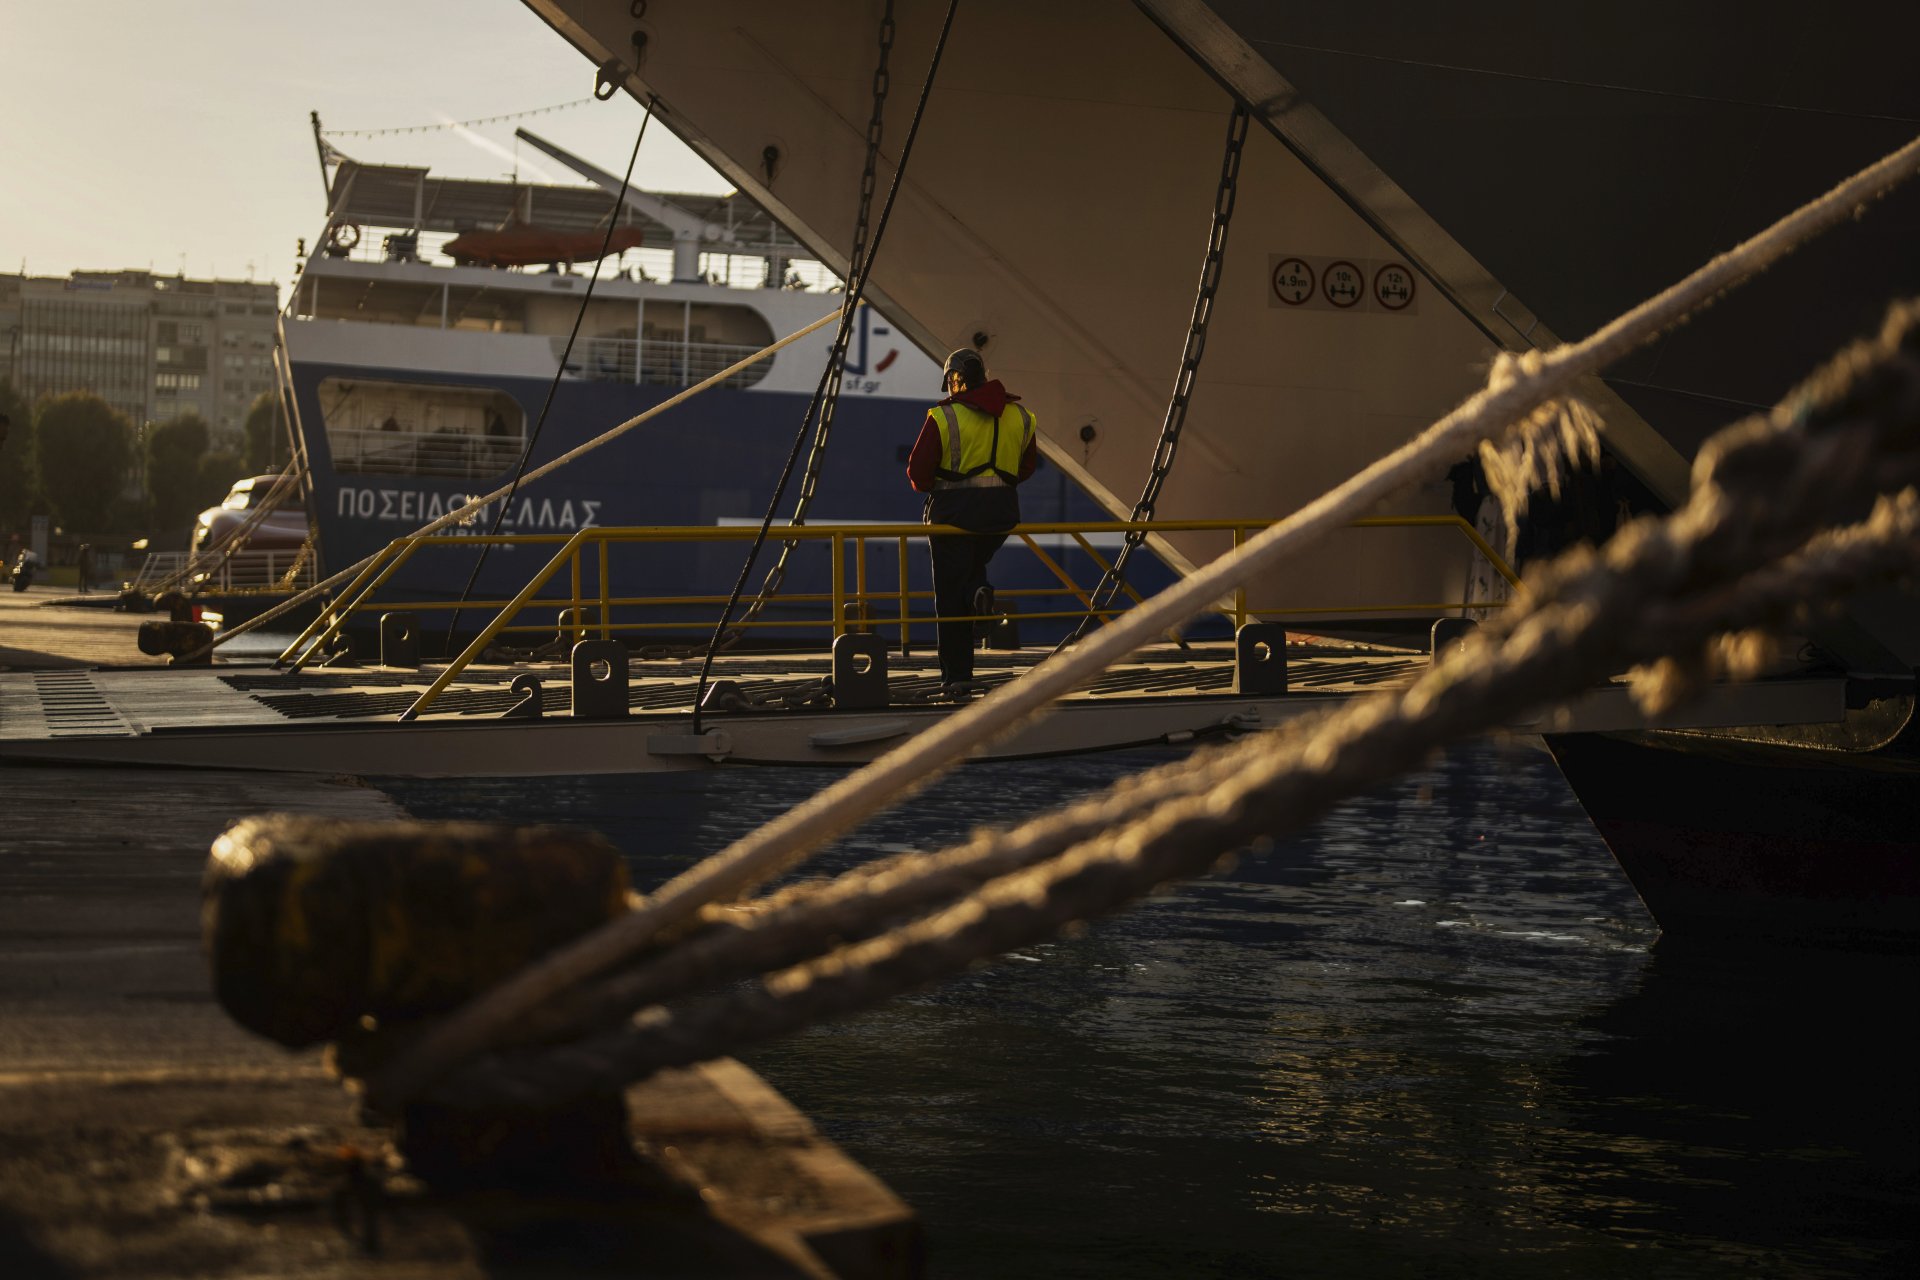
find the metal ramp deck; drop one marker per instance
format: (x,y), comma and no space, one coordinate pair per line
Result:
(346,721)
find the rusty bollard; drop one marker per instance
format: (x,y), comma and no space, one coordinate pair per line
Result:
(358,933)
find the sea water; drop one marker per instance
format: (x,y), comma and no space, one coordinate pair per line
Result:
(1432,1036)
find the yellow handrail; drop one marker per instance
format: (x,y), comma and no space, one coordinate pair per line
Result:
(849,603)
(405,549)
(492,629)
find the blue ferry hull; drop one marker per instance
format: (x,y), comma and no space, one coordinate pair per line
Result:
(714,460)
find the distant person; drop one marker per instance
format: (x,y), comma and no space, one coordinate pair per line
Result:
(974,447)
(24,568)
(83,566)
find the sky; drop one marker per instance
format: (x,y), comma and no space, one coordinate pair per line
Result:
(174,134)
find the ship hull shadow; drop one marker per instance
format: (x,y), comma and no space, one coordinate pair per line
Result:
(1764,837)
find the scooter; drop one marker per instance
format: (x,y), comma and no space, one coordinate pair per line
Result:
(23,570)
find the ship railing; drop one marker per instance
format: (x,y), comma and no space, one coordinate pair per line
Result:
(253,570)
(449,454)
(239,573)
(157,568)
(664,362)
(858,599)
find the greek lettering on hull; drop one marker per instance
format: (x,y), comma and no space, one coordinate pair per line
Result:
(413,507)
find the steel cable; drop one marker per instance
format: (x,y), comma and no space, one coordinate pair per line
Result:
(837,358)
(856,285)
(559,372)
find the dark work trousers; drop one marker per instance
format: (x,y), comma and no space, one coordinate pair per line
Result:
(960,564)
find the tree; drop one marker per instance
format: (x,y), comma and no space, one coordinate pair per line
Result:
(266,432)
(85,450)
(174,452)
(19,478)
(218,471)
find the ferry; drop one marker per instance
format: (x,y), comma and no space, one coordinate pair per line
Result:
(428,361)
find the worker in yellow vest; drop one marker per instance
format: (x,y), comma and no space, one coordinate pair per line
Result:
(974,448)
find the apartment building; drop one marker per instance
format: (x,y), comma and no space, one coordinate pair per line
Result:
(153,346)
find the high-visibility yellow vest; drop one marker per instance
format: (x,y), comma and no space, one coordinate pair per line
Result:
(978,448)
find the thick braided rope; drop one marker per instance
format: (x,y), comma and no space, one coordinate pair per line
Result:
(1528,382)
(1095,879)
(1524,384)
(1764,490)
(476,505)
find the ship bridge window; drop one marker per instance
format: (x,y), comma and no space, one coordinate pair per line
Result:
(421,303)
(411,429)
(485,310)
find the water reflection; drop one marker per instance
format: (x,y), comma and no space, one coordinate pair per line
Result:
(1430,1037)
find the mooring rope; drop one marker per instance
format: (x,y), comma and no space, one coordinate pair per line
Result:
(1523,385)
(1753,545)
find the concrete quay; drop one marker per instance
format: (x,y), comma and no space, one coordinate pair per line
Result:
(143,1134)
(38,635)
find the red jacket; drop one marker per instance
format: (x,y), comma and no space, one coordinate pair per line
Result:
(924,461)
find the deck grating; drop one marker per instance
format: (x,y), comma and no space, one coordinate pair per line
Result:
(73,707)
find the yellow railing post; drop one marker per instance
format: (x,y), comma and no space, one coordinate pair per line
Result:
(905,595)
(606,594)
(575,605)
(1239,592)
(839,585)
(860,582)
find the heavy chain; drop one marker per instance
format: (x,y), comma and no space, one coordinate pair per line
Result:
(856,286)
(837,356)
(1114,578)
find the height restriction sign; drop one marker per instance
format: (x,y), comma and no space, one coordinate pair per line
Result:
(1292,281)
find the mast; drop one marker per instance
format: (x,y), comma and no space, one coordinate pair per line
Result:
(322,147)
